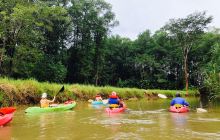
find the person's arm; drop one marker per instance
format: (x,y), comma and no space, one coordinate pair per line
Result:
(172,102)
(186,103)
(53,99)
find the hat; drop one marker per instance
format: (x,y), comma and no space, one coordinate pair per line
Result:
(177,94)
(44,95)
(114,93)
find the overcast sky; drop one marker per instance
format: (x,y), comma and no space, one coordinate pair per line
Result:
(135,16)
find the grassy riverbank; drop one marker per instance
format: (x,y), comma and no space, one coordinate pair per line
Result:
(14,92)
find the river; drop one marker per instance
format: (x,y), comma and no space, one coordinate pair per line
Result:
(145,119)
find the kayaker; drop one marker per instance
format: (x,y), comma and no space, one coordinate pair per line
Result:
(44,102)
(113,100)
(69,101)
(98,97)
(179,101)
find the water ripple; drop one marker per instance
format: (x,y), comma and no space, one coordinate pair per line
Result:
(206,120)
(120,121)
(126,136)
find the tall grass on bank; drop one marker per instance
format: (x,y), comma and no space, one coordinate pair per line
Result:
(14,92)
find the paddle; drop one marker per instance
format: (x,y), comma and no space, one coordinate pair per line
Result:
(61,90)
(90,100)
(201,110)
(162,96)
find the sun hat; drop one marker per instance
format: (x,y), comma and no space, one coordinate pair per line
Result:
(44,95)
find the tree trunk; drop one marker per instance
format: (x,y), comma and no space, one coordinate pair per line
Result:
(186,73)
(97,57)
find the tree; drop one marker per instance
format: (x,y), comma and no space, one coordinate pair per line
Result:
(187,32)
(49,70)
(211,66)
(25,61)
(91,21)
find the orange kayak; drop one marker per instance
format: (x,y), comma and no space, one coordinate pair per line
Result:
(7,110)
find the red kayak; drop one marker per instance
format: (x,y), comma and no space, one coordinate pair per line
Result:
(182,109)
(4,119)
(7,110)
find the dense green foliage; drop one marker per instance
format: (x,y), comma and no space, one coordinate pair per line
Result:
(29,92)
(68,41)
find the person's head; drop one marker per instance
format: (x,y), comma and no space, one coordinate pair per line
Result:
(177,94)
(114,93)
(44,95)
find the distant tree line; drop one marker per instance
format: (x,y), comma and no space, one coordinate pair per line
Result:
(68,41)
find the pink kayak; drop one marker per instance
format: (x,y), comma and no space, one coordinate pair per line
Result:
(4,119)
(182,109)
(116,110)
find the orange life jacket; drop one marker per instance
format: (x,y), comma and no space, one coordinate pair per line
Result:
(113,96)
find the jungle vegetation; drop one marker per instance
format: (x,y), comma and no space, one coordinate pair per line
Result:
(68,41)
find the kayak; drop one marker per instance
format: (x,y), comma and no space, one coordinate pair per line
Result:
(116,110)
(4,119)
(182,109)
(97,103)
(7,110)
(102,102)
(60,107)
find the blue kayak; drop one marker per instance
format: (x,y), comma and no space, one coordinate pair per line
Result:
(97,103)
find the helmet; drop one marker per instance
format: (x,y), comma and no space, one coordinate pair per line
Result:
(44,95)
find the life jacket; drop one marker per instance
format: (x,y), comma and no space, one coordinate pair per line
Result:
(113,96)
(44,103)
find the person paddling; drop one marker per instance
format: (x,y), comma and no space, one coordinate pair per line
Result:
(178,101)
(98,97)
(113,100)
(44,102)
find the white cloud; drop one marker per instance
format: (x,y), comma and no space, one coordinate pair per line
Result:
(135,16)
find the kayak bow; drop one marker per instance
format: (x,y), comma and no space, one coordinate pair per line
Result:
(4,119)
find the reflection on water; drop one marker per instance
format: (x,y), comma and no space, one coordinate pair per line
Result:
(5,132)
(143,120)
(179,119)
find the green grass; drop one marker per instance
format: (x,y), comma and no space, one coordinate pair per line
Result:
(29,91)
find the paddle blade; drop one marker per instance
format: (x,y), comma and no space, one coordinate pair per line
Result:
(105,101)
(162,96)
(201,110)
(90,100)
(61,90)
